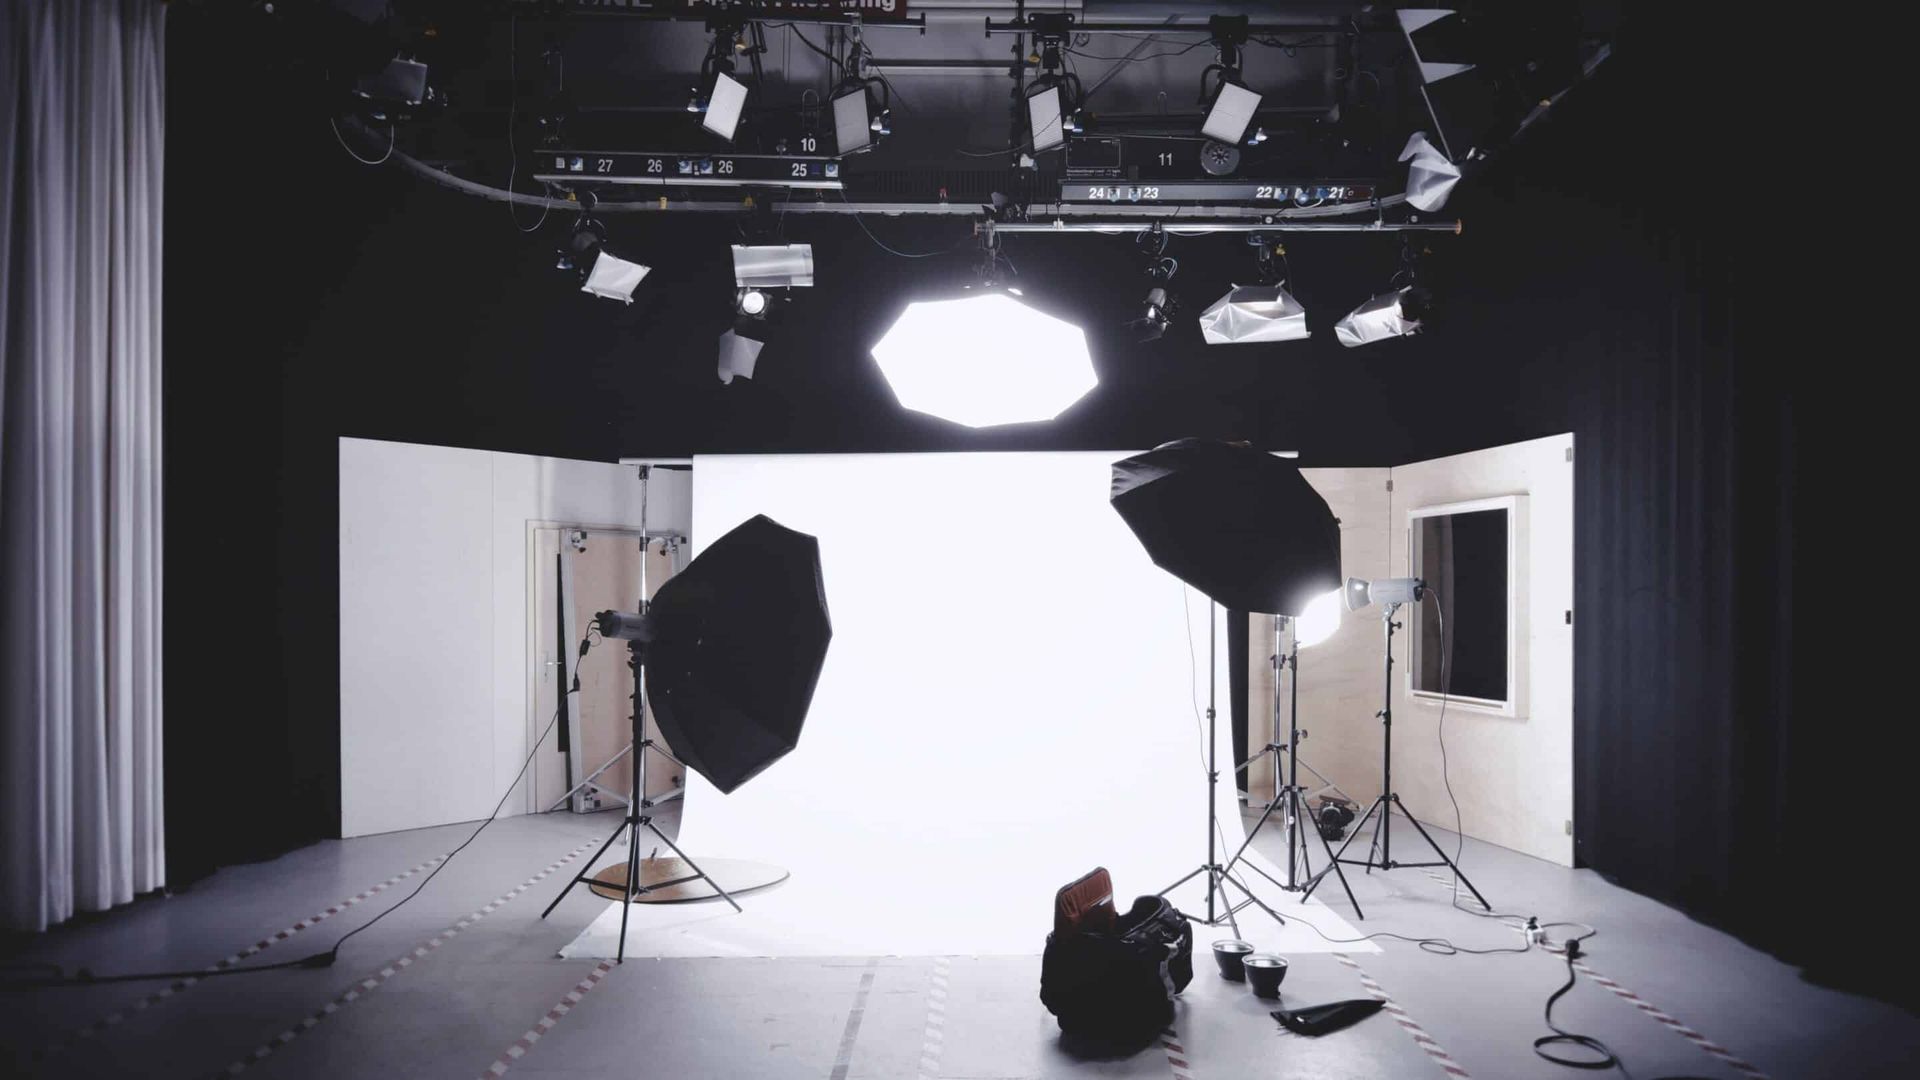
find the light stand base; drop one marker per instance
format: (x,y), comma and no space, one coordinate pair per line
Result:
(1293,799)
(1222,914)
(1380,850)
(633,887)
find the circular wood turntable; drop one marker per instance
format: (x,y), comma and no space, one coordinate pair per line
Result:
(734,875)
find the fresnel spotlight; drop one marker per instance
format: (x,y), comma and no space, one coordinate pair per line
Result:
(1160,303)
(984,357)
(762,274)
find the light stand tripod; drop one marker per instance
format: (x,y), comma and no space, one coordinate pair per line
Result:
(638,816)
(1218,877)
(1292,795)
(1382,844)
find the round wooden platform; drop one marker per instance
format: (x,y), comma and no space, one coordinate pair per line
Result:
(735,875)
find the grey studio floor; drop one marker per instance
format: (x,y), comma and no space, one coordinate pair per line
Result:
(482,1001)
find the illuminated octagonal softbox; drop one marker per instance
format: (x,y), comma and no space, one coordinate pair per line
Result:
(985,360)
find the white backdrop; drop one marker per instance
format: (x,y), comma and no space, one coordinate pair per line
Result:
(1011,698)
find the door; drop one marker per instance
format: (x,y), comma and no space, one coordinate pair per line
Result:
(579,572)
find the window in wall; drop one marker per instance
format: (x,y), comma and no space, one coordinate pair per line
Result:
(1465,554)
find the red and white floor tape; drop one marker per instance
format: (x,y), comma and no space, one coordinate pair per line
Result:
(538,1031)
(374,982)
(181,985)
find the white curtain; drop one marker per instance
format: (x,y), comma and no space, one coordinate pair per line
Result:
(81,121)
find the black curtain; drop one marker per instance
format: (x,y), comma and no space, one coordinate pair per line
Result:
(1731,752)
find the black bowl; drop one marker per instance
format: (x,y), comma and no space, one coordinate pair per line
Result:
(1228,952)
(1264,972)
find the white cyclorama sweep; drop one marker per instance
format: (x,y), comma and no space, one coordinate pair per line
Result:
(1008,702)
(723,107)
(984,360)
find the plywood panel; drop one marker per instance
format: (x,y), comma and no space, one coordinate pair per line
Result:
(605,575)
(1513,774)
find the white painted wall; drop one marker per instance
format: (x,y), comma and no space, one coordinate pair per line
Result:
(434,649)
(1513,775)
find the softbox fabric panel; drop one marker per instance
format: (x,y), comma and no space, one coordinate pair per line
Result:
(742,634)
(1238,524)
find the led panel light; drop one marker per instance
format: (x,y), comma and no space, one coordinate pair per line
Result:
(773,265)
(614,278)
(985,360)
(852,124)
(1043,119)
(1232,111)
(724,105)
(1250,313)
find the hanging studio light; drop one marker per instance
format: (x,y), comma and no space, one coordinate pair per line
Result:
(724,104)
(1389,315)
(1231,113)
(1254,313)
(1430,176)
(600,272)
(738,355)
(984,360)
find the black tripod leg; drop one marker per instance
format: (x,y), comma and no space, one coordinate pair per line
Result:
(1333,864)
(1451,865)
(1352,835)
(1261,904)
(690,863)
(1181,882)
(615,835)
(1271,807)
(633,886)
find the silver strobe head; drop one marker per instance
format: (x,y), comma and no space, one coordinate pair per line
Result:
(613,277)
(1043,119)
(1250,313)
(738,355)
(1382,317)
(1233,109)
(772,265)
(1399,590)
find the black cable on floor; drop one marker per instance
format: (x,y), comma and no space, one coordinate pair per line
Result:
(1561,1036)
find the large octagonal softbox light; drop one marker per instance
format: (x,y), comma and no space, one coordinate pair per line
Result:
(1242,526)
(739,639)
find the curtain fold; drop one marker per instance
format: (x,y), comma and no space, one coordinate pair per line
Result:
(81,154)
